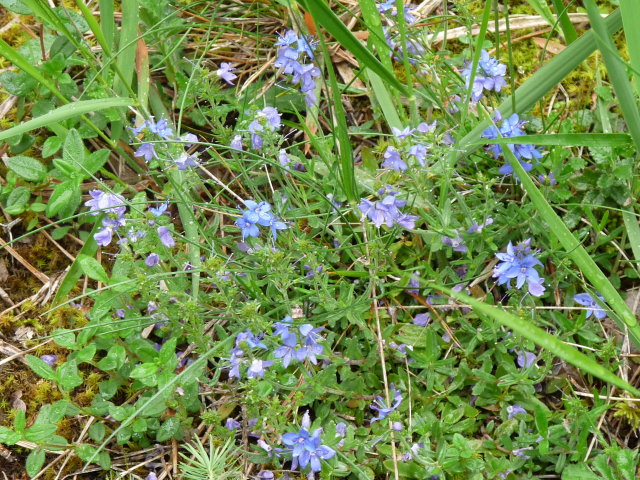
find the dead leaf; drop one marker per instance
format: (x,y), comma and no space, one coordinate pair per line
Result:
(549,46)
(24,334)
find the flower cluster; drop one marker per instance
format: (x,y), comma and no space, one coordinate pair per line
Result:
(390,10)
(161,132)
(246,341)
(292,348)
(306,449)
(387,210)
(511,127)
(409,143)
(490,75)
(265,121)
(293,50)
(519,262)
(114,206)
(381,406)
(258,214)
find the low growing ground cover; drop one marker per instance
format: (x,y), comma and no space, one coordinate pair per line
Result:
(347,239)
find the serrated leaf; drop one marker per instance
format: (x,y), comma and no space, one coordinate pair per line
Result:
(8,436)
(171,428)
(143,371)
(68,377)
(73,150)
(64,337)
(27,168)
(60,197)
(92,268)
(40,432)
(51,145)
(40,367)
(35,461)
(95,161)
(97,432)
(85,452)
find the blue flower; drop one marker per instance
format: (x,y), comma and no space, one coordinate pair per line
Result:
(248,229)
(185,160)
(258,367)
(157,212)
(161,128)
(152,260)
(393,160)
(513,410)
(104,202)
(387,211)
(165,237)
(456,243)
(314,452)
(146,151)
(287,351)
(225,72)
(309,352)
(593,307)
(382,408)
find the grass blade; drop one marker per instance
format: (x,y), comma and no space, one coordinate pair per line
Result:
(631,21)
(64,112)
(567,140)
(617,72)
(545,340)
(322,15)
(568,30)
(541,82)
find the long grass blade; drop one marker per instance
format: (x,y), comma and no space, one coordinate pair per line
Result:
(545,340)
(567,140)
(631,21)
(322,15)
(568,29)
(64,112)
(617,71)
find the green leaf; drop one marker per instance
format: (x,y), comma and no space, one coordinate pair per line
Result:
(92,268)
(68,377)
(60,198)
(51,145)
(545,340)
(27,168)
(85,452)
(579,472)
(86,354)
(8,436)
(115,358)
(17,200)
(40,433)
(170,428)
(40,367)
(97,431)
(35,461)
(16,6)
(143,371)
(73,150)
(64,337)
(95,161)
(19,422)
